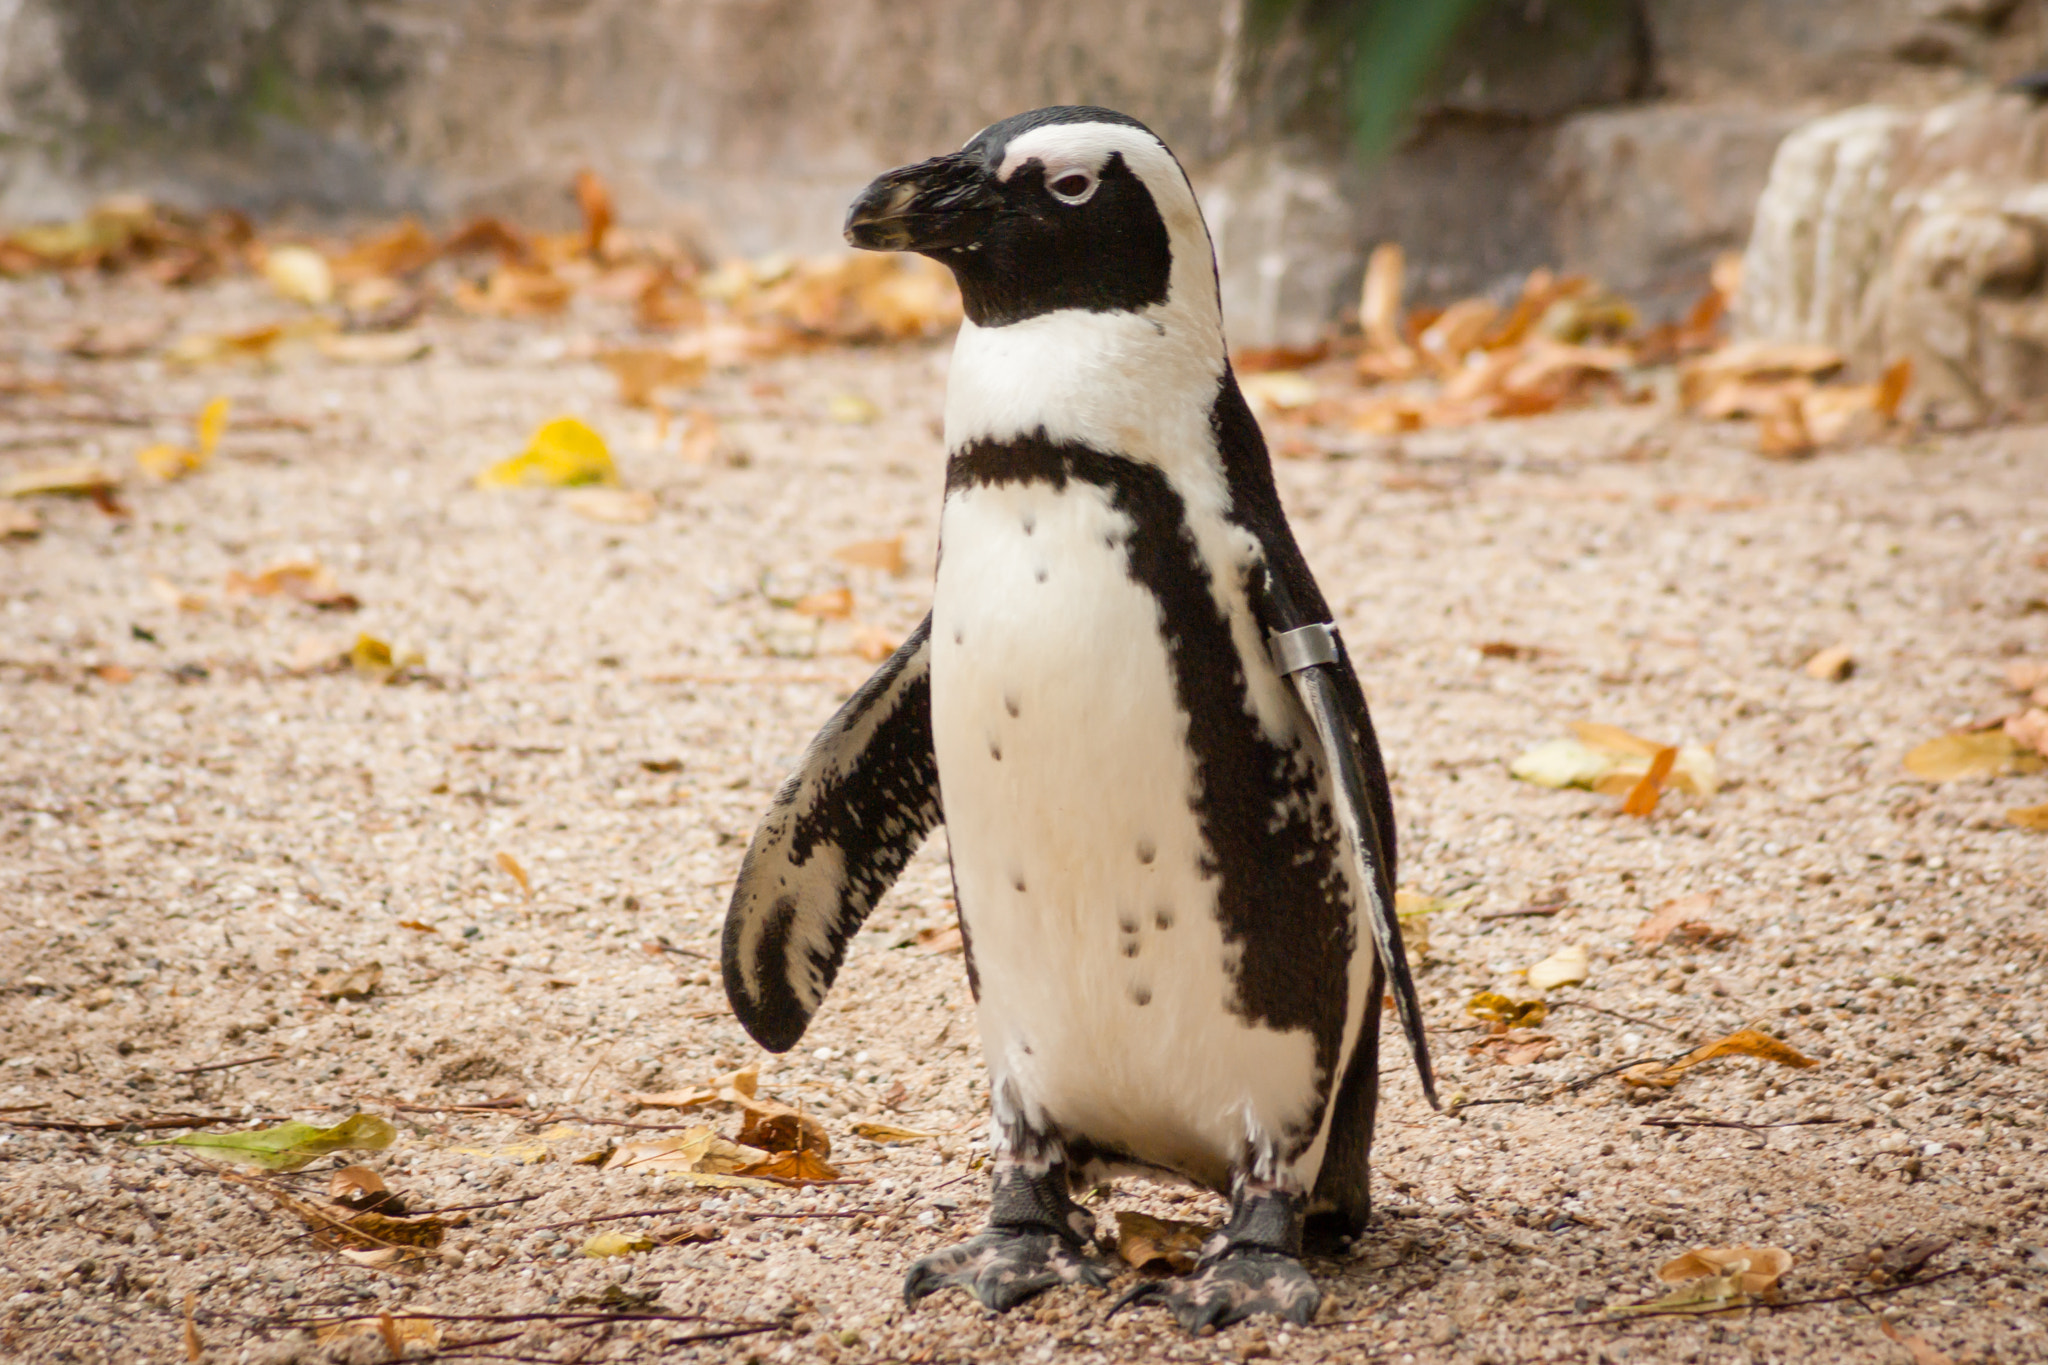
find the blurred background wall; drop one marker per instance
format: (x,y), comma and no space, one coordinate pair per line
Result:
(1629,138)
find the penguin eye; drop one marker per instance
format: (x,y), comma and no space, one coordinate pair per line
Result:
(1073,188)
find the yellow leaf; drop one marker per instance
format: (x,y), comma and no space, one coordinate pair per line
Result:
(616,1244)
(300,274)
(373,658)
(2029,817)
(1970,753)
(1717,1294)
(564,453)
(1495,1008)
(1143,1241)
(850,409)
(213,422)
(1565,967)
(510,866)
(168,462)
(1759,1268)
(889,1132)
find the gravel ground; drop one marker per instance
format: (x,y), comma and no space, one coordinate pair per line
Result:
(189,830)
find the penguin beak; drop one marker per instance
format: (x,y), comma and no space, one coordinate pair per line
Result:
(938,205)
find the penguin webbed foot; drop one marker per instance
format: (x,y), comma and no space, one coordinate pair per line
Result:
(1243,1283)
(1253,1266)
(1004,1266)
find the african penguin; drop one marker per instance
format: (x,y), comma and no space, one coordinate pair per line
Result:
(1172,842)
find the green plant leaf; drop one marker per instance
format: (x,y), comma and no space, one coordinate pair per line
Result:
(291,1145)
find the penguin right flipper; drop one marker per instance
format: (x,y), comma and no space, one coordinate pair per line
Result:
(842,827)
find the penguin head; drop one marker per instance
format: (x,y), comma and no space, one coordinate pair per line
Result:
(1069,207)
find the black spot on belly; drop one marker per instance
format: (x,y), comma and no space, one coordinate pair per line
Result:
(995,750)
(1127,923)
(1010,704)
(1163,918)
(1141,996)
(959,635)
(1146,852)
(1030,523)
(1131,948)
(1041,575)
(1017,880)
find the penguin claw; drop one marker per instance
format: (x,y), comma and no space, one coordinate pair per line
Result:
(1002,1267)
(1243,1283)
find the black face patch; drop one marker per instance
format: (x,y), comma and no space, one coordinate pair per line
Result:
(1039,255)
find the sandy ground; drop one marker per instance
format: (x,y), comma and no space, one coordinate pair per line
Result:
(189,831)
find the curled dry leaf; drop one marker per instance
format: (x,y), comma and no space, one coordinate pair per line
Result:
(1746,1042)
(806,1167)
(1159,1245)
(642,371)
(777,1128)
(354,1184)
(2029,817)
(299,273)
(1565,967)
(1833,664)
(1758,1268)
(1918,1347)
(1971,753)
(509,865)
(1516,1047)
(594,201)
(302,580)
(1672,915)
(398,1334)
(1610,760)
(1713,1294)
(374,658)
(606,1244)
(564,453)
(2029,729)
(1641,800)
(1491,1007)
(352,983)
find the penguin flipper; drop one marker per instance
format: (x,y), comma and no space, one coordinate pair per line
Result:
(1314,659)
(842,827)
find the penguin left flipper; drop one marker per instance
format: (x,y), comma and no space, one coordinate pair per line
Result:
(862,799)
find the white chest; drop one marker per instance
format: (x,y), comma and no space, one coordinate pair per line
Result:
(1081,866)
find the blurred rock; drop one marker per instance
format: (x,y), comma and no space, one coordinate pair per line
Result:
(1891,235)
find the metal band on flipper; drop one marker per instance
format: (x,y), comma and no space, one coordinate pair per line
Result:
(1295,655)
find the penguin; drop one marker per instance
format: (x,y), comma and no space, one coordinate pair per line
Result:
(1171,836)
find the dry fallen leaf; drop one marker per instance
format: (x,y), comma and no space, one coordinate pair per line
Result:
(805,1166)
(886,555)
(350,983)
(697,1151)
(1565,967)
(1491,1007)
(84,479)
(851,409)
(510,866)
(1672,915)
(643,370)
(1918,1347)
(594,200)
(2029,817)
(1971,753)
(1610,760)
(941,940)
(396,1333)
(303,580)
(1759,1267)
(1746,1042)
(374,658)
(1516,1047)
(889,1132)
(616,1244)
(833,604)
(1641,801)
(171,595)
(618,506)
(1833,664)
(564,453)
(1159,1245)
(299,273)
(19,521)
(777,1128)
(1713,1294)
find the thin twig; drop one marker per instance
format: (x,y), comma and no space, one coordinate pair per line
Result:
(223,1066)
(468,1208)
(1613,1014)
(1660,1121)
(1525,912)
(1858,1295)
(124,1125)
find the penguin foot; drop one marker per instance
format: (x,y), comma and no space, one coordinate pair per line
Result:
(1003,1267)
(1244,1282)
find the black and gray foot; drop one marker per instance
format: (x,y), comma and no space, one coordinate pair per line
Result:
(1002,1267)
(1037,1236)
(1253,1266)
(1243,1284)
